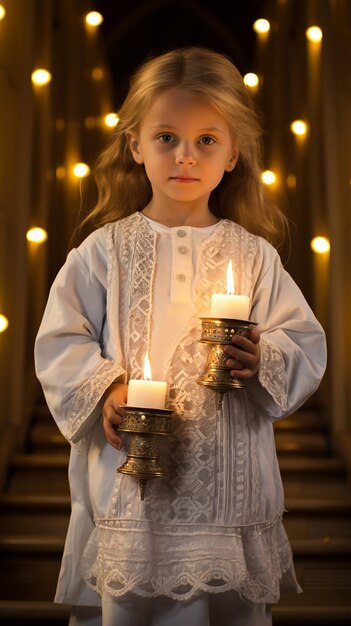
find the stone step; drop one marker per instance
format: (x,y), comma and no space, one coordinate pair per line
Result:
(31,544)
(45,437)
(303,443)
(32,566)
(321,548)
(29,502)
(307,466)
(40,461)
(38,474)
(304,421)
(323,569)
(313,487)
(313,477)
(329,506)
(319,518)
(292,615)
(34,514)
(31,613)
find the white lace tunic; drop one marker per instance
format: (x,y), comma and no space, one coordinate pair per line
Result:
(215,523)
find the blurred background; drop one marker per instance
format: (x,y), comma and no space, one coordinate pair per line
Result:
(64,72)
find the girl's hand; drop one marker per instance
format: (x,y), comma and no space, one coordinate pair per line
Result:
(115,398)
(244,355)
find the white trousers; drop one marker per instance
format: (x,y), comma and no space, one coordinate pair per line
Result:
(224,609)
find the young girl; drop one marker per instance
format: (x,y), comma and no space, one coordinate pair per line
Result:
(179,196)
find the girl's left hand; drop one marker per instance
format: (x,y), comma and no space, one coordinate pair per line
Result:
(244,355)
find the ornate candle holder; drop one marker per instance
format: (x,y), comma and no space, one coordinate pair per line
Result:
(219,333)
(146,428)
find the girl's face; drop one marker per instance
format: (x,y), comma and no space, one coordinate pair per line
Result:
(186,146)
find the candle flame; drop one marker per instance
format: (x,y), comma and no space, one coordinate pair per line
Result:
(230,279)
(147,368)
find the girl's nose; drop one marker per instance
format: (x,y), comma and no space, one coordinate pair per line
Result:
(184,157)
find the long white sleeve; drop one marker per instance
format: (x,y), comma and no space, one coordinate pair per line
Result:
(71,364)
(293,347)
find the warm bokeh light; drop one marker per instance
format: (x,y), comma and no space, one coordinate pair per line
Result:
(41,77)
(111,119)
(261,26)
(298,127)
(251,80)
(268,177)
(37,235)
(320,245)
(314,33)
(81,170)
(4,323)
(97,73)
(94,18)
(2,12)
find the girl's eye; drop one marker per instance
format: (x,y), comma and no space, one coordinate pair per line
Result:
(166,138)
(207,141)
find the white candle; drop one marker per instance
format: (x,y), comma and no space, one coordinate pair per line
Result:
(147,393)
(228,305)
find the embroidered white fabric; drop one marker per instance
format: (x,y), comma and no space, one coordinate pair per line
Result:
(201,527)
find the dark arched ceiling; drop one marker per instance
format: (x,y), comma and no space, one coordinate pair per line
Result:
(134,30)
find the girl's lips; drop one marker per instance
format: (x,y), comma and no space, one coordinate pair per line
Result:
(184,179)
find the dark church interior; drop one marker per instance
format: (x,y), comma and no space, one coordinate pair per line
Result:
(52,128)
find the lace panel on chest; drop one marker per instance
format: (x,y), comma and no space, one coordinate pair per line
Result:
(198,482)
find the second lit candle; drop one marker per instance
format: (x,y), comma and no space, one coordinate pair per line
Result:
(228,305)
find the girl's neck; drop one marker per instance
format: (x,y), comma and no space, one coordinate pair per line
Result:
(181,216)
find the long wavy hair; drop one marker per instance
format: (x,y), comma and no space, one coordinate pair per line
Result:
(122,184)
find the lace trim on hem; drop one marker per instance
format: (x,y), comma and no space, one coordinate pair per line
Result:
(272,374)
(246,588)
(251,564)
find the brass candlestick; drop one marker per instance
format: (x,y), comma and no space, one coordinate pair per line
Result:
(219,333)
(146,427)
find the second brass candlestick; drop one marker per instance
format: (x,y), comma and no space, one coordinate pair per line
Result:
(219,333)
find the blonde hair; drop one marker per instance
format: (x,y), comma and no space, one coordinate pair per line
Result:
(122,184)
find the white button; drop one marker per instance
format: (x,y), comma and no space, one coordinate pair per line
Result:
(181,278)
(183,249)
(181,233)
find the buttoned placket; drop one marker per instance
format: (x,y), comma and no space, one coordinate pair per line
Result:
(182,265)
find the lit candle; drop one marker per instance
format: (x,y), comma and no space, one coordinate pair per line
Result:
(147,393)
(227,305)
